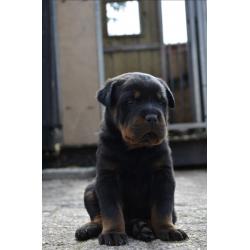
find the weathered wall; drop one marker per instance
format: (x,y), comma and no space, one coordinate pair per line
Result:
(78,71)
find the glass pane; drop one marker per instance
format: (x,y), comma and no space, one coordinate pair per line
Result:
(174,22)
(123,18)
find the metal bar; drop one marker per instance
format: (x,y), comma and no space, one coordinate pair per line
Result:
(190,74)
(52,124)
(185,126)
(100,53)
(192,41)
(57,135)
(55,71)
(46,66)
(162,45)
(180,74)
(170,77)
(202,36)
(133,47)
(188,80)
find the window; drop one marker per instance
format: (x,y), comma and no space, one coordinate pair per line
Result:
(174,22)
(123,18)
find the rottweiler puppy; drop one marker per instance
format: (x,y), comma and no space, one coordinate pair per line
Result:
(133,193)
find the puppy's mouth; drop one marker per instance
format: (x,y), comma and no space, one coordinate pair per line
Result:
(149,137)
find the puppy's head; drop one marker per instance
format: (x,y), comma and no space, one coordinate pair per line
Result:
(138,105)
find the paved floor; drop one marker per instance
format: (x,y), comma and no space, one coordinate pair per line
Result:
(63,211)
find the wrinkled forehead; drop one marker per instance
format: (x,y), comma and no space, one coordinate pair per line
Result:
(148,86)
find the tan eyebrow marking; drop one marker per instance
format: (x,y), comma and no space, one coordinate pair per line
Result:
(137,94)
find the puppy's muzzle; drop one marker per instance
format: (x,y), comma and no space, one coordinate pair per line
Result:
(150,130)
(152,119)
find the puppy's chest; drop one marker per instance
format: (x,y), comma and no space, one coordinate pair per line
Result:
(135,182)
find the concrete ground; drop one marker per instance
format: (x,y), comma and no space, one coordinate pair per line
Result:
(63,211)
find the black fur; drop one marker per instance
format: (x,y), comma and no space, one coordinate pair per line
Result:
(134,189)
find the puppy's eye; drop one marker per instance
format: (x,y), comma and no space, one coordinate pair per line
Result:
(163,101)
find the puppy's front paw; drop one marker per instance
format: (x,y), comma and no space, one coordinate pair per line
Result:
(172,234)
(113,239)
(88,231)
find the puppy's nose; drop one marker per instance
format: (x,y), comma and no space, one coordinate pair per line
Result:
(151,118)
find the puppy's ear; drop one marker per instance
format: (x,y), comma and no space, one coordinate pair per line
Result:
(107,95)
(104,95)
(170,96)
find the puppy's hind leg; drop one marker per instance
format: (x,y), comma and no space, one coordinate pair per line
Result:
(94,227)
(140,230)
